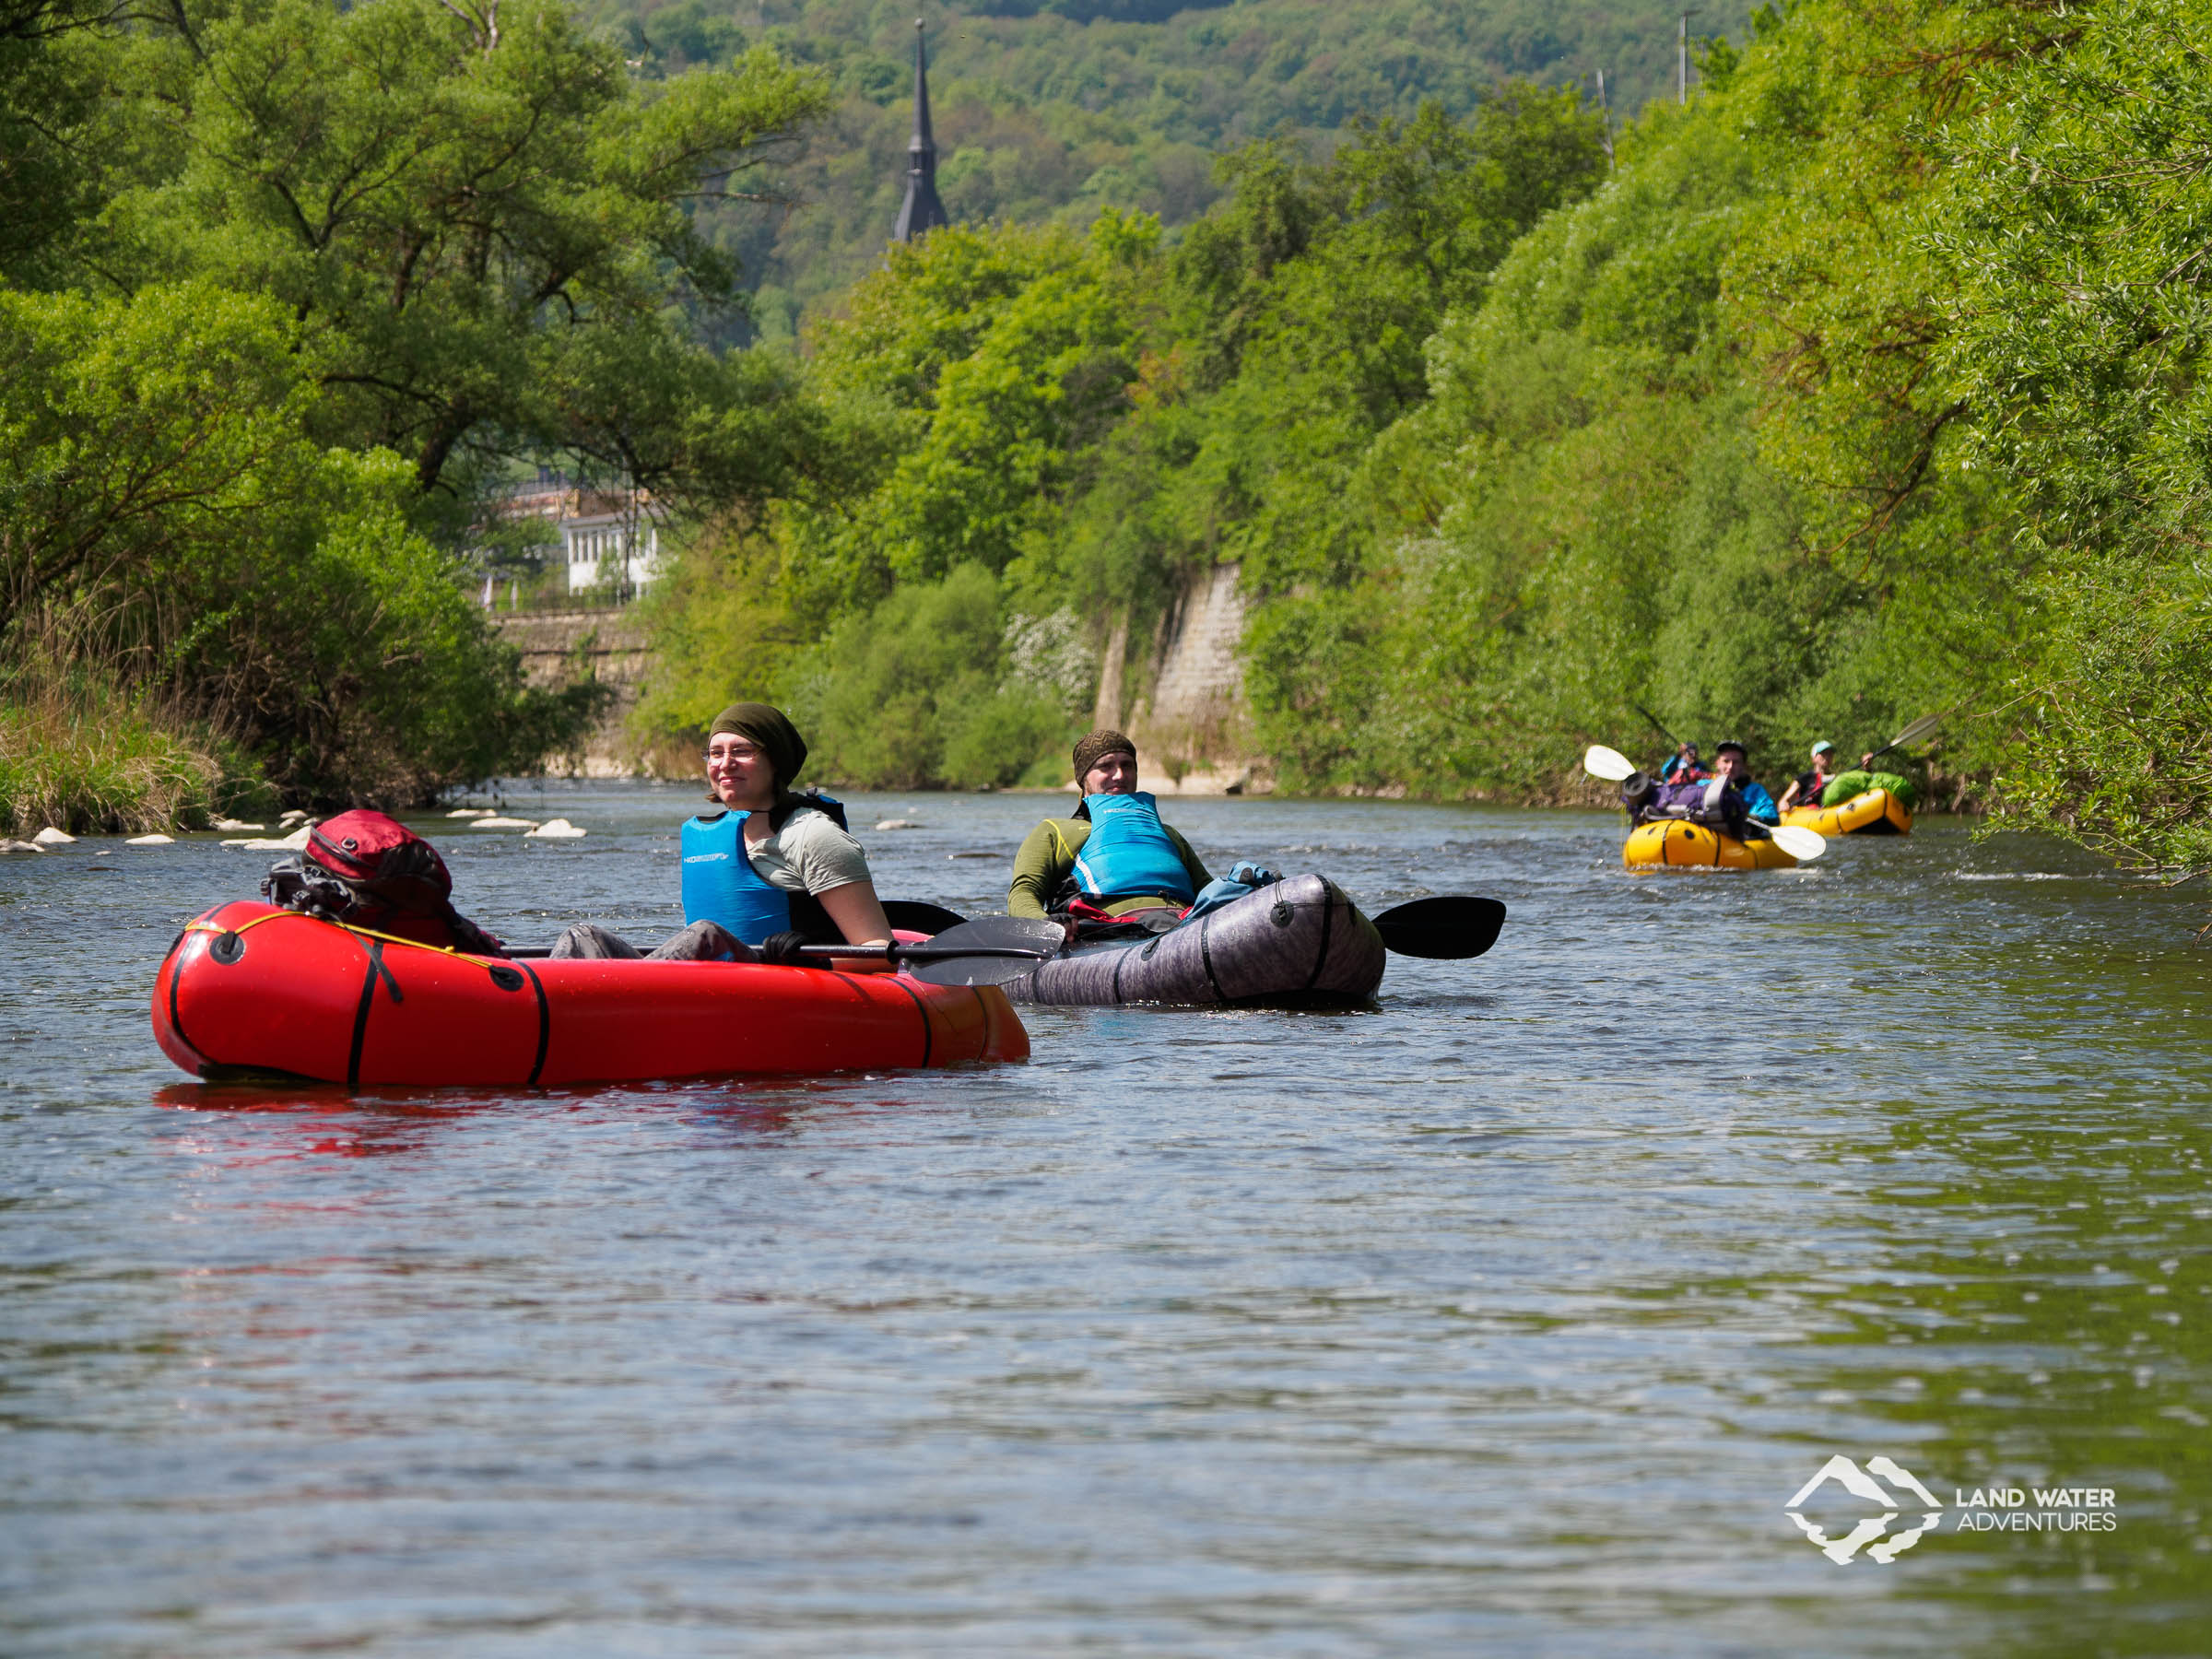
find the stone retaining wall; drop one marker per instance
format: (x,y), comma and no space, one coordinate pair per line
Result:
(1183,701)
(1182,695)
(560,647)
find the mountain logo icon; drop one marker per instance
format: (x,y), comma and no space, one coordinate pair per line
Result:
(1871,1535)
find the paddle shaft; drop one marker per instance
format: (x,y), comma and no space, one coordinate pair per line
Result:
(920,953)
(1911,734)
(909,913)
(904,953)
(1655,726)
(1445,927)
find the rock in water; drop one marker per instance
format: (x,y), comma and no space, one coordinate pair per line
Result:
(504,823)
(554,830)
(19,846)
(900,824)
(151,841)
(51,837)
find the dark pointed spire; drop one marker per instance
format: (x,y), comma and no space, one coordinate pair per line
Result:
(923,210)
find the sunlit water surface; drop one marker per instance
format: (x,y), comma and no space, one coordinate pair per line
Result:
(1506,1316)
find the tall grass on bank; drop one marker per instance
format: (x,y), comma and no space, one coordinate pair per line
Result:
(88,759)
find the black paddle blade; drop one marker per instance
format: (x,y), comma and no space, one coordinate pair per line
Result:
(1028,943)
(915,916)
(1446,929)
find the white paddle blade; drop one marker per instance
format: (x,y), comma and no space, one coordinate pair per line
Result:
(1914,732)
(1610,764)
(1802,844)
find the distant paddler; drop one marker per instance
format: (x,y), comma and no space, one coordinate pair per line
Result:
(1735,765)
(1684,766)
(1715,808)
(1114,857)
(1864,802)
(1805,787)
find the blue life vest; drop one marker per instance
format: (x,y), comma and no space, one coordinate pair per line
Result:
(720,884)
(1128,852)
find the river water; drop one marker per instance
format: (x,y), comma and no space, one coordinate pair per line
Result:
(1507,1316)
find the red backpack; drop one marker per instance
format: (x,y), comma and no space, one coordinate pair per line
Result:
(371,871)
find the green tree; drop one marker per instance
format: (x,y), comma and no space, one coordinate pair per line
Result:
(1296,324)
(312,276)
(2070,233)
(474,214)
(915,692)
(970,375)
(170,515)
(1580,516)
(49,103)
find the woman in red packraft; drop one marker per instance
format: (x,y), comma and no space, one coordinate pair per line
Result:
(770,870)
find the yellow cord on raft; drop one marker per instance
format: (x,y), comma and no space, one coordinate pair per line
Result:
(200,924)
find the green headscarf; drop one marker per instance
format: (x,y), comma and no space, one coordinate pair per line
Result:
(779,740)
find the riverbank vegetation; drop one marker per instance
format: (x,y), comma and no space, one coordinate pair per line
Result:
(79,756)
(1867,384)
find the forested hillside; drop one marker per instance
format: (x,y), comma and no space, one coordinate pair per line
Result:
(1053,111)
(1866,385)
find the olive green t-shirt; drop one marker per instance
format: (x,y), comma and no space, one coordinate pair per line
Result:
(808,854)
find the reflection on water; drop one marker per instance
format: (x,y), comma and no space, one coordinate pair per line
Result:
(1507,1316)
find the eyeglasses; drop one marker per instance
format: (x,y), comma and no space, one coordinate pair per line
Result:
(731,755)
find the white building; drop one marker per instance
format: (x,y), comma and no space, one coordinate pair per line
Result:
(609,541)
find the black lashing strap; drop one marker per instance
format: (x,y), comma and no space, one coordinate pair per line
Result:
(378,966)
(169,966)
(1329,895)
(360,1026)
(544,1024)
(173,968)
(1205,955)
(377,969)
(929,1034)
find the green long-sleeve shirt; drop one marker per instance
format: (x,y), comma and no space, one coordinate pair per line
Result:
(1048,858)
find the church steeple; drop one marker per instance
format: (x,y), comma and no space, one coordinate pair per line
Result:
(923,210)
